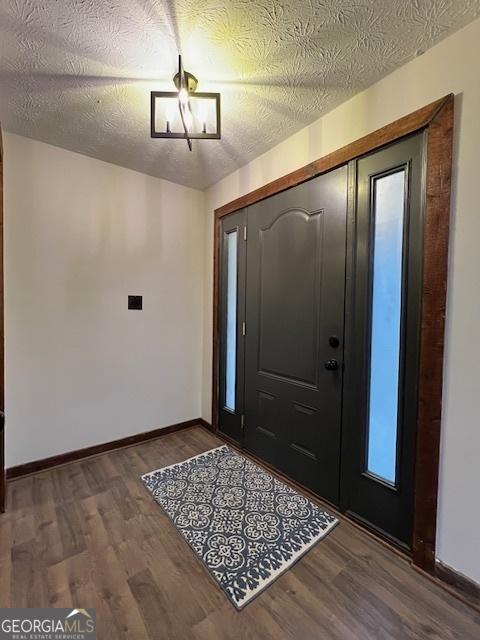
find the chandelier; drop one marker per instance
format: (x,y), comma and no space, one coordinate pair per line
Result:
(185,113)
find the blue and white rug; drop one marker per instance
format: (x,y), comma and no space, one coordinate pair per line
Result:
(245,525)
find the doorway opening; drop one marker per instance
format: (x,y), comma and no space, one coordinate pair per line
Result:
(327,364)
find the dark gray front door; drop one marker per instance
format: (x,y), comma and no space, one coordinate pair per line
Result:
(295,292)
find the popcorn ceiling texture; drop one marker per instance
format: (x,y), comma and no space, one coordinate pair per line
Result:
(77,73)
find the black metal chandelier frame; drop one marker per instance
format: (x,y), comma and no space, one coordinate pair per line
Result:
(184,82)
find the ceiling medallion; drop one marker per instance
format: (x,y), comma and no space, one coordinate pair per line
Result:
(184,113)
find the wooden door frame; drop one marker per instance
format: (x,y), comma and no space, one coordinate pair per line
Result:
(436,119)
(3,482)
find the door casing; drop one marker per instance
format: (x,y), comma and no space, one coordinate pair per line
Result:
(436,120)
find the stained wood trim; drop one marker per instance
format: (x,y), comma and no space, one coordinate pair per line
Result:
(97,449)
(400,128)
(437,119)
(437,189)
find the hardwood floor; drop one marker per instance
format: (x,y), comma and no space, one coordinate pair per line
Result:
(88,534)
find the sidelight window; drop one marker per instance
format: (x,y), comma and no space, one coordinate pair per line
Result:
(231,324)
(386,314)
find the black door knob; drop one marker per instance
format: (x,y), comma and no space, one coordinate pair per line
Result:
(331,365)
(333,341)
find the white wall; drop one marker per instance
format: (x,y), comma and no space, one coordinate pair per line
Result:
(451,66)
(80,235)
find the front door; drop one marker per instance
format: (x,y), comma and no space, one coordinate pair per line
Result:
(295,295)
(320,333)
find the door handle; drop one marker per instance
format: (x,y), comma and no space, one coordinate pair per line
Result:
(331,365)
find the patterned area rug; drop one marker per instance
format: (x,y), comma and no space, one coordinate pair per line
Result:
(246,526)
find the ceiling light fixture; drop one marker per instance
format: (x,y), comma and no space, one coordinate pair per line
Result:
(185,113)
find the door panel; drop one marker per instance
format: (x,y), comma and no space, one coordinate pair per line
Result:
(232,317)
(294,304)
(283,247)
(382,340)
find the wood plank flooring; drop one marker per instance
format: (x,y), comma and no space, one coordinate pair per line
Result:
(88,534)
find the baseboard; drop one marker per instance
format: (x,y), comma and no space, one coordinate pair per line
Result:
(87,452)
(206,424)
(463,586)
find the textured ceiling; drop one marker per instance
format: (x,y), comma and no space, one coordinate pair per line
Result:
(77,73)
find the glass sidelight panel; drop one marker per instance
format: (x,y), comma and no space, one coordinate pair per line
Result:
(384,299)
(386,312)
(231,310)
(231,326)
